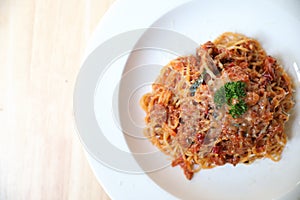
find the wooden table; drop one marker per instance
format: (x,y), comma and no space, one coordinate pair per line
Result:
(41,46)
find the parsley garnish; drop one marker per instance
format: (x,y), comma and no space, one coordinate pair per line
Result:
(229,92)
(234,90)
(238,109)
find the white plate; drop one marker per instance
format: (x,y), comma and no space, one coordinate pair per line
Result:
(275,24)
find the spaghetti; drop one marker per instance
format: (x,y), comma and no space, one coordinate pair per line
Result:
(185,122)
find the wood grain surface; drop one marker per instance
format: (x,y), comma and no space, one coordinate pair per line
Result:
(41,47)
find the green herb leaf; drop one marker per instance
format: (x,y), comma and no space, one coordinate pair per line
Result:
(238,109)
(234,90)
(230,91)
